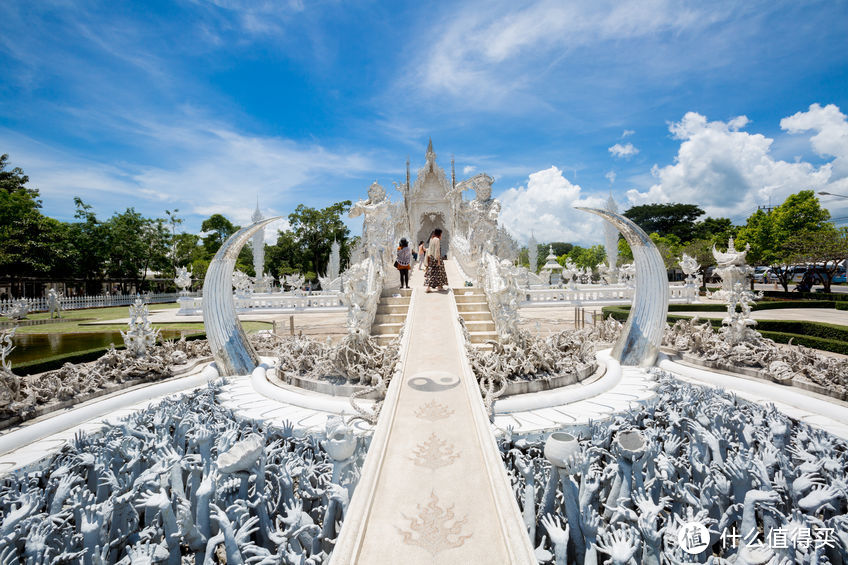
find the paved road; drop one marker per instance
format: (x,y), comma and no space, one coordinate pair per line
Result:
(827,315)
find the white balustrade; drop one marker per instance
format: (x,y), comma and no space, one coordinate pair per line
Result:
(271,302)
(598,294)
(83,302)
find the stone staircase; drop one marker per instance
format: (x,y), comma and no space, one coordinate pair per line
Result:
(474,311)
(391,314)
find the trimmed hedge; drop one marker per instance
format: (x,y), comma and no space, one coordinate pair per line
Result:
(56,361)
(766,305)
(805,328)
(818,335)
(809,341)
(792,295)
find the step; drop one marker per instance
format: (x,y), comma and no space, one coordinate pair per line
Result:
(476,316)
(472,306)
(465,298)
(389,292)
(394,300)
(468,290)
(482,337)
(385,339)
(383,329)
(480,326)
(392,308)
(389,318)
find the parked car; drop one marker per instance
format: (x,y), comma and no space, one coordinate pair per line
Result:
(761,274)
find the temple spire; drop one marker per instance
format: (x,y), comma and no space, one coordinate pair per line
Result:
(257,214)
(453,173)
(430,146)
(407,173)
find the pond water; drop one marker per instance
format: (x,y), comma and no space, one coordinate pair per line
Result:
(33,347)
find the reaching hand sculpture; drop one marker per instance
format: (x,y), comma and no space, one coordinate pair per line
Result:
(141,493)
(703,456)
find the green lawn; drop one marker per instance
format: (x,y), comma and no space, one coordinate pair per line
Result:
(80,321)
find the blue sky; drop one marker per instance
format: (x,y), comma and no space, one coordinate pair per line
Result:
(201,105)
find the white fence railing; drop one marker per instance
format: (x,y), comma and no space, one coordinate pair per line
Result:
(270,302)
(81,302)
(587,294)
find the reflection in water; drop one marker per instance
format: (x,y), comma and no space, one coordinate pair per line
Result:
(32,347)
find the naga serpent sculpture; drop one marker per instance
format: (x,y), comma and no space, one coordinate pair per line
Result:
(641,336)
(233,353)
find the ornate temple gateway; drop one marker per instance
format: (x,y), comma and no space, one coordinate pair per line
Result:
(432,201)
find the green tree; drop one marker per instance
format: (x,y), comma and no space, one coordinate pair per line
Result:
(136,245)
(768,233)
(14,180)
(665,219)
(88,238)
(824,249)
(584,257)
(315,230)
(218,229)
(31,244)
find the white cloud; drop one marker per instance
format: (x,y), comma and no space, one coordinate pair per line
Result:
(729,172)
(625,151)
(468,169)
(627,133)
(489,55)
(546,207)
(610,176)
(831,138)
(210,168)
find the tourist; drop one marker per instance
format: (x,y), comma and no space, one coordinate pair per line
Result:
(435,275)
(422,254)
(404,258)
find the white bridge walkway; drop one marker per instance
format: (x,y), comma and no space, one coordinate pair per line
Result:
(433,489)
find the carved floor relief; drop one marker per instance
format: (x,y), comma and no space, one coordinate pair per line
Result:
(433,411)
(434,453)
(434,528)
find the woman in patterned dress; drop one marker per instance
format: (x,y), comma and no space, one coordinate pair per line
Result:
(435,275)
(404,259)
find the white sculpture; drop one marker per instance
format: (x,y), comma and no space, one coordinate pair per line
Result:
(377,232)
(611,244)
(183,280)
(54,304)
(331,280)
(295,283)
(19,309)
(360,291)
(732,269)
(477,219)
(242,283)
(533,254)
(737,325)
(141,336)
(627,274)
(258,249)
(334,264)
(500,281)
(690,268)
(554,270)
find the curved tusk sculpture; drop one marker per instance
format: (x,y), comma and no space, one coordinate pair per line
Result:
(640,339)
(233,353)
